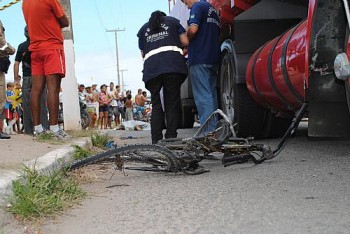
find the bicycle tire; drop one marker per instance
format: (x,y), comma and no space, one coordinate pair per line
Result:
(167,160)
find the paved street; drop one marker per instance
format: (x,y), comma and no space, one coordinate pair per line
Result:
(304,190)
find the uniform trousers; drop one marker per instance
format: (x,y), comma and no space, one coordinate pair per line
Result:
(171,115)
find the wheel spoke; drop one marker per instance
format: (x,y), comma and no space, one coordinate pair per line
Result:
(141,156)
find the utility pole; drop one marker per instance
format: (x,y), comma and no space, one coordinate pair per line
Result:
(122,85)
(116,49)
(170,4)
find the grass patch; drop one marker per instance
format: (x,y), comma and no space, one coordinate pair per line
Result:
(99,140)
(45,136)
(48,137)
(81,153)
(37,195)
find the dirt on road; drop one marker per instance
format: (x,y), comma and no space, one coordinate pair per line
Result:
(22,148)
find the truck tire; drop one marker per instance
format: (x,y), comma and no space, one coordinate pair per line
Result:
(249,116)
(237,103)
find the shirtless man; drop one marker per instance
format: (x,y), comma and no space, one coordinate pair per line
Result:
(140,101)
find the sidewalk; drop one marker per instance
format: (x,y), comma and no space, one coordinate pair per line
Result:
(23,149)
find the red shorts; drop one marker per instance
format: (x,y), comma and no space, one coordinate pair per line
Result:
(8,114)
(48,62)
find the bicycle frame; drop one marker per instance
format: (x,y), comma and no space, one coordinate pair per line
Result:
(185,154)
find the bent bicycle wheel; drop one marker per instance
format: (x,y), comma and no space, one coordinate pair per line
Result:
(135,157)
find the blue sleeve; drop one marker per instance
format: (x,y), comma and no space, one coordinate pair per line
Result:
(196,15)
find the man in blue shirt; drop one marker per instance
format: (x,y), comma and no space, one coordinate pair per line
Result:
(203,56)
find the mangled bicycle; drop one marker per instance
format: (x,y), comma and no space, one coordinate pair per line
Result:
(184,155)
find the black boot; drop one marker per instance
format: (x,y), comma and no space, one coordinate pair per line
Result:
(4,136)
(156,138)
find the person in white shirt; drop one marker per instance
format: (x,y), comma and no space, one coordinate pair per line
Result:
(113,106)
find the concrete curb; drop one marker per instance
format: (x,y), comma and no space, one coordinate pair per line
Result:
(50,160)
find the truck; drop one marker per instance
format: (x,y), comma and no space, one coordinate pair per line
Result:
(278,55)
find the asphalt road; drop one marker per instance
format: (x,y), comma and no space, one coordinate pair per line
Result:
(306,189)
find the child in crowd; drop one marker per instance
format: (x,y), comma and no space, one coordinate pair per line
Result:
(9,113)
(18,111)
(90,103)
(13,107)
(129,108)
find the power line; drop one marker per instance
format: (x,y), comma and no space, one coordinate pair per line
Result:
(121,12)
(112,12)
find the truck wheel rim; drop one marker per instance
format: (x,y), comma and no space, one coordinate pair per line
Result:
(226,87)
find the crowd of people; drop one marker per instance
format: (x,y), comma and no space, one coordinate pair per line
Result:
(109,106)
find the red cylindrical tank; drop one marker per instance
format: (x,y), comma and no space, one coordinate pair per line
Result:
(227,13)
(275,73)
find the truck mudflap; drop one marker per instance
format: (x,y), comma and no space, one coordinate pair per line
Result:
(328,102)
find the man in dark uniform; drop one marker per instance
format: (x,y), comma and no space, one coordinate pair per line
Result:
(161,41)
(23,55)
